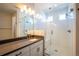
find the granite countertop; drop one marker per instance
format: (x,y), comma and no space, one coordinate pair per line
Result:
(10,46)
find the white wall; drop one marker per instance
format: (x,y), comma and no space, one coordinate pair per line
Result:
(5,25)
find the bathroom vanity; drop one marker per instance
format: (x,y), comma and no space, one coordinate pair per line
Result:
(32,45)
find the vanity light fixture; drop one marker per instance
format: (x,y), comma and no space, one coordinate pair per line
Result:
(33,12)
(21,7)
(29,10)
(39,16)
(24,8)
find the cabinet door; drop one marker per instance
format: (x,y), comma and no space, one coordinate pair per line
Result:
(26,51)
(37,49)
(22,52)
(17,53)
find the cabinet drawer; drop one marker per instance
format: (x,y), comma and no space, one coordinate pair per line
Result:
(26,51)
(37,49)
(21,52)
(16,53)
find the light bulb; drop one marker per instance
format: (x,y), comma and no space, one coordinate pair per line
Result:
(24,7)
(33,12)
(29,10)
(21,10)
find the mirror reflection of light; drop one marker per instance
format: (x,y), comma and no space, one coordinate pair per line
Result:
(31,21)
(39,16)
(21,10)
(30,11)
(33,12)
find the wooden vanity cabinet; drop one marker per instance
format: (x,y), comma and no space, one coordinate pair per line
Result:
(35,49)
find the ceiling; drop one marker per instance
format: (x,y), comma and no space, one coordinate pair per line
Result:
(38,7)
(8,7)
(43,6)
(12,7)
(50,8)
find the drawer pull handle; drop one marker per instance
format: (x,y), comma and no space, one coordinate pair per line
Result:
(19,54)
